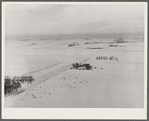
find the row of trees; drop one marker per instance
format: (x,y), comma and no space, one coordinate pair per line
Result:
(93,42)
(15,83)
(95,48)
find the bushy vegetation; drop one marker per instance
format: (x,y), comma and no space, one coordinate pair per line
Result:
(93,42)
(15,83)
(70,45)
(95,48)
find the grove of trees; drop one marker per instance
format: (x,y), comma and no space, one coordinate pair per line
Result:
(15,83)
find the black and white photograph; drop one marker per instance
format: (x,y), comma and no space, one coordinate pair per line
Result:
(74,55)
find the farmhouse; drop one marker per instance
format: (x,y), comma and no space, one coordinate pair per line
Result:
(85,66)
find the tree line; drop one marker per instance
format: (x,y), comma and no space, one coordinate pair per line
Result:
(15,83)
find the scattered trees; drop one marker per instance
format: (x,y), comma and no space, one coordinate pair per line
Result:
(15,83)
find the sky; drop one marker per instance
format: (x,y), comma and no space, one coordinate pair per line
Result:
(44,19)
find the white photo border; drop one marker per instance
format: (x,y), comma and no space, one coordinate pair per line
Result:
(75,113)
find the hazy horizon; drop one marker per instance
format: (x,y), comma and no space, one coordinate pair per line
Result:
(75,36)
(71,19)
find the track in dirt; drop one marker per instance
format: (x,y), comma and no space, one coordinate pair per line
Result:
(41,69)
(41,79)
(44,77)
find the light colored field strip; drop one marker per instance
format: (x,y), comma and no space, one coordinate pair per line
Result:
(46,76)
(41,69)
